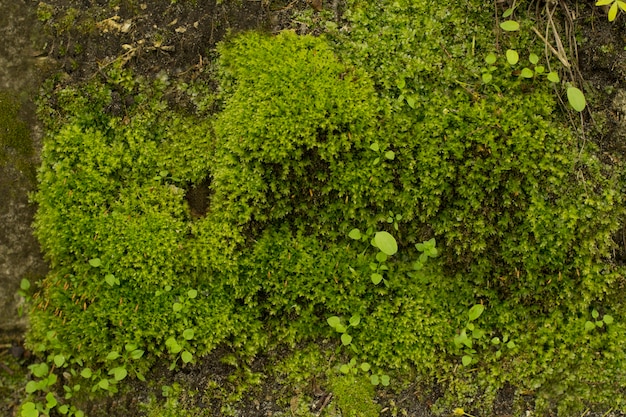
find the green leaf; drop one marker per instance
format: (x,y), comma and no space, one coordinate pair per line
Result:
(86,373)
(490,58)
(376,278)
(136,354)
(365,367)
(64,409)
(385,380)
(527,73)
(607,319)
(386,243)
(333,321)
(604,2)
(400,83)
(595,314)
(346,339)
(40,369)
(512,57)
(355,320)
(374,379)
(112,355)
(130,347)
(59,360)
(495,341)
(533,58)
(104,384)
(475,311)
(177,307)
(188,334)
(576,98)
(553,77)
(509,25)
(374,146)
(118,373)
(95,262)
(29,409)
(31,387)
(467,360)
(390,154)
(355,234)
(508,12)
(344,369)
(110,279)
(487,78)
(24,284)
(381,257)
(192,294)
(186,357)
(411,102)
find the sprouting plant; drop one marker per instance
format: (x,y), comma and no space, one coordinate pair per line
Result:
(386,245)
(596,321)
(394,219)
(346,340)
(381,152)
(615,6)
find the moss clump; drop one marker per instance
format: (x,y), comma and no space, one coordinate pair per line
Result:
(354,396)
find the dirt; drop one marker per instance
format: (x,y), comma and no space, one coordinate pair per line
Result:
(83,37)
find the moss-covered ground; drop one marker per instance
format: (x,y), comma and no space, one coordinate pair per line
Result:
(199,202)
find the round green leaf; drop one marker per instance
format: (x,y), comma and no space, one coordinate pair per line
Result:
(386,243)
(51,400)
(192,293)
(376,278)
(355,234)
(553,77)
(576,98)
(177,307)
(344,369)
(186,357)
(86,373)
(355,320)
(595,314)
(333,321)
(512,57)
(384,380)
(490,58)
(110,279)
(509,25)
(24,284)
(31,387)
(188,334)
(119,373)
(476,311)
(391,154)
(59,360)
(487,77)
(374,379)
(467,360)
(533,58)
(95,262)
(104,384)
(607,319)
(365,366)
(527,73)
(346,339)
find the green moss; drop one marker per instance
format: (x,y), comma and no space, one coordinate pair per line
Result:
(354,396)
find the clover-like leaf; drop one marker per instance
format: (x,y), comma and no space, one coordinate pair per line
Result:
(186,357)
